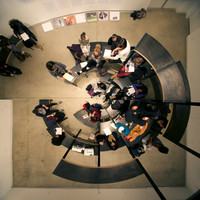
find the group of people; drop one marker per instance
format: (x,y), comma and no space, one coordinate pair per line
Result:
(29,40)
(140,112)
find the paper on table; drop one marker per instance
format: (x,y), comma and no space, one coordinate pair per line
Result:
(83,64)
(24,36)
(68,77)
(107,131)
(88,152)
(107,53)
(58,131)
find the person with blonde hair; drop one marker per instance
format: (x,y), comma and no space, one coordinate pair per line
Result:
(94,61)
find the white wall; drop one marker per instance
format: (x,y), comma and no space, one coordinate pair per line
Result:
(37,11)
(6,116)
(193,136)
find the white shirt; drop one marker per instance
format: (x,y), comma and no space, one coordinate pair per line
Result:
(122,54)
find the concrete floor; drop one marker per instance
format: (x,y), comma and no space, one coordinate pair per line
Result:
(34,157)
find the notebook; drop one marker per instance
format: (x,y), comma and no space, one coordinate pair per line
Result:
(83,64)
(68,77)
(24,36)
(58,131)
(107,53)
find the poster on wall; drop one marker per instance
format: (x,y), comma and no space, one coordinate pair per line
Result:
(103,16)
(58,23)
(114,16)
(47,26)
(69,20)
(80,18)
(91,17)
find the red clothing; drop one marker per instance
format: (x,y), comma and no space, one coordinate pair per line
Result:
(97,114)
(122,72)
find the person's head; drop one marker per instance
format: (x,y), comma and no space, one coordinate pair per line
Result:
(83,36)
(14,23)
(114,37)
(162,149)
(35,111)
(101,86)
(97,50)
(56,141)
(162,122)
(122,43)
(139,60)
(113,145)
(50,65)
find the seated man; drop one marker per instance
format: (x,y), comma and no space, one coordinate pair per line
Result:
(45,110)
(151,141)
(141,111)
(114,41)
(57,69)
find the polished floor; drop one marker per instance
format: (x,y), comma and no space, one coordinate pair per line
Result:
(34,157)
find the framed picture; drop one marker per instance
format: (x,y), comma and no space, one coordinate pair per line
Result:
(58,23)
(91,17)
(114,16)
(80,18)
(69,20)
(103,16)
(47,26)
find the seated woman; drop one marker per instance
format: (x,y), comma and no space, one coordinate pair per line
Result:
(57,69)
(7,70)
(96,89)
(85,46)
(115,93)
(93,111)
(138,130)
(94,61)
(45,110)
(136,91)
(124,71)
(120,53)
(111,140)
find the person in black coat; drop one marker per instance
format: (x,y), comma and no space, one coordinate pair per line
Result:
(19,28)
(7,70)
(114,41)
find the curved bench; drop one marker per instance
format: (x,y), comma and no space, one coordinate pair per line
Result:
(171,80)
(97,175)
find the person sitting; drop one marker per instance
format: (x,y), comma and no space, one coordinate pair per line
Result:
(120,53)
(96,89)
(137,131)
(57,69)
(94,61)
(7,70)
(94,111)
(150,141)
(124,71)
(85,46)
(114,41)
(136,91)
(8,46)
(141,111)
(112,141)
(42,110)
(114,94)
(58,139)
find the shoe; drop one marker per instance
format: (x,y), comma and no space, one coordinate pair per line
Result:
(59,102)
(77,73)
